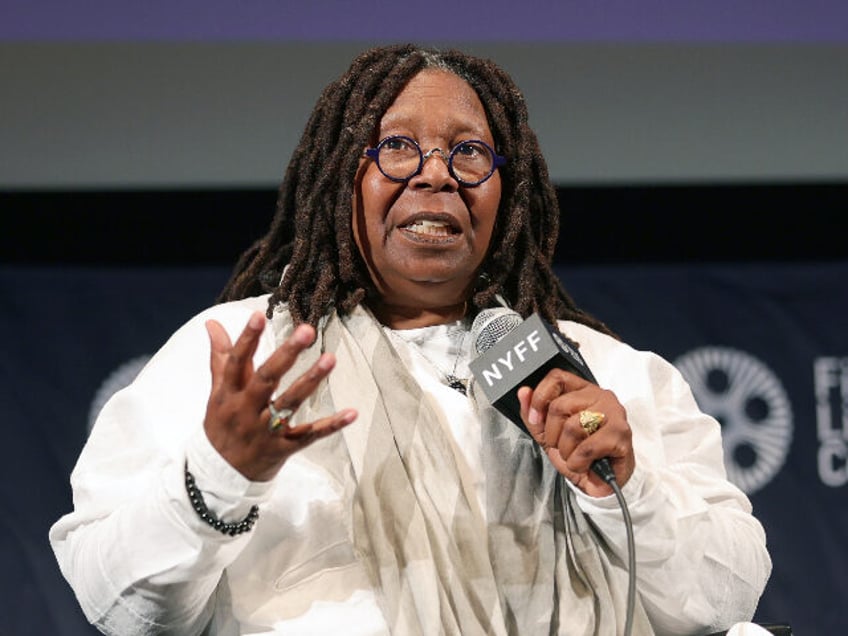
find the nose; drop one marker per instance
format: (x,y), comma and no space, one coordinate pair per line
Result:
(434,174)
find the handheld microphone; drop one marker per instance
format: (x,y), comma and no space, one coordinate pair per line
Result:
(513,352)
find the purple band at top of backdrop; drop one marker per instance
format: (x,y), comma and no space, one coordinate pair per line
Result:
(436,20)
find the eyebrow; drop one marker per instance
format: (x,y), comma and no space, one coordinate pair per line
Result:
(462,128)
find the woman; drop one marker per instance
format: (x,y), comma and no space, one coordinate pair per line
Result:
(331,468)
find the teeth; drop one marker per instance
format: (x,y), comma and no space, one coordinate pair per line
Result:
(430,227)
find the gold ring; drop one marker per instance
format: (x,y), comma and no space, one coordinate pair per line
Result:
(279,417)
(591,421)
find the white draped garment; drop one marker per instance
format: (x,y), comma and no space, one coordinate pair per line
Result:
(431,514)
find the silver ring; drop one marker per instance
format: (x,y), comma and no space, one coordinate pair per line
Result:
(279,418)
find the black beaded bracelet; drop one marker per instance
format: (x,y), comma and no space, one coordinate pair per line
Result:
(200,507)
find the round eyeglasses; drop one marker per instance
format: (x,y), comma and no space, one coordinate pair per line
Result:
(470,162)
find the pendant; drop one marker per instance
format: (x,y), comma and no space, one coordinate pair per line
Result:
(457,384)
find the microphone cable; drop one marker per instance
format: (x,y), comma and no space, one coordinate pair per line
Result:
(603,469)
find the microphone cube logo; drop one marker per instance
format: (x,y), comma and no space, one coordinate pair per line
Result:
(751,405)
(522,356)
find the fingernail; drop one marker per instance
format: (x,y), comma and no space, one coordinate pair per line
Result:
(326,362)
(534,417)
(257,321)
(302,335)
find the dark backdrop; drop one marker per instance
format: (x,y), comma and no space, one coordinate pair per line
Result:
(601,224)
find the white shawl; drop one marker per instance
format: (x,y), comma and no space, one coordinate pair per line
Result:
(536,566)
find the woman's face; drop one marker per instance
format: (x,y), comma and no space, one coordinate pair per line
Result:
(424,240)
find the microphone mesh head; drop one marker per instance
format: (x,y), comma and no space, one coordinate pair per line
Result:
(491,325)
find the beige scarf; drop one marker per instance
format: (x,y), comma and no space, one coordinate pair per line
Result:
(535,566)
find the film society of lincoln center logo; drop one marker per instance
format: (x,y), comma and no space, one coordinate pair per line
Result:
(751,405)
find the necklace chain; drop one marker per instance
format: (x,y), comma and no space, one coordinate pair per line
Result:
(451,379)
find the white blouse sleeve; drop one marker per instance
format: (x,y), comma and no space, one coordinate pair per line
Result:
(138,557)
(701,555)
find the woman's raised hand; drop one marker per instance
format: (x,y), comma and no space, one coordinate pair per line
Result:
(238,420)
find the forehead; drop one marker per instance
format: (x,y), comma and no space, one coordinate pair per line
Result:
(436,96)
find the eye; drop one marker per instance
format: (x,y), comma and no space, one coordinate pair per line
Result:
(467,149)
(471,150)
(398,144)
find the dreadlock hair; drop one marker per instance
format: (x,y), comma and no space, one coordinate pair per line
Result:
(311,236)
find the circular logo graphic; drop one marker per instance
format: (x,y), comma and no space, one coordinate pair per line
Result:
(114,382)
(752,407)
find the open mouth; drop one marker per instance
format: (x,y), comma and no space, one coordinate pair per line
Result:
(431,226)
(424,227)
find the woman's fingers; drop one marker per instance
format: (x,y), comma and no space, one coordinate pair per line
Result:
(294,395)
(263,460)
(239,363)
(552,414)
(232,364)
(329,425)
(219,351)
(267,376)
(554,385)
(543,408)
(305,434)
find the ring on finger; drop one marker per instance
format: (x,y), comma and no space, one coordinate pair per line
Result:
(591,421)
(279,417)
